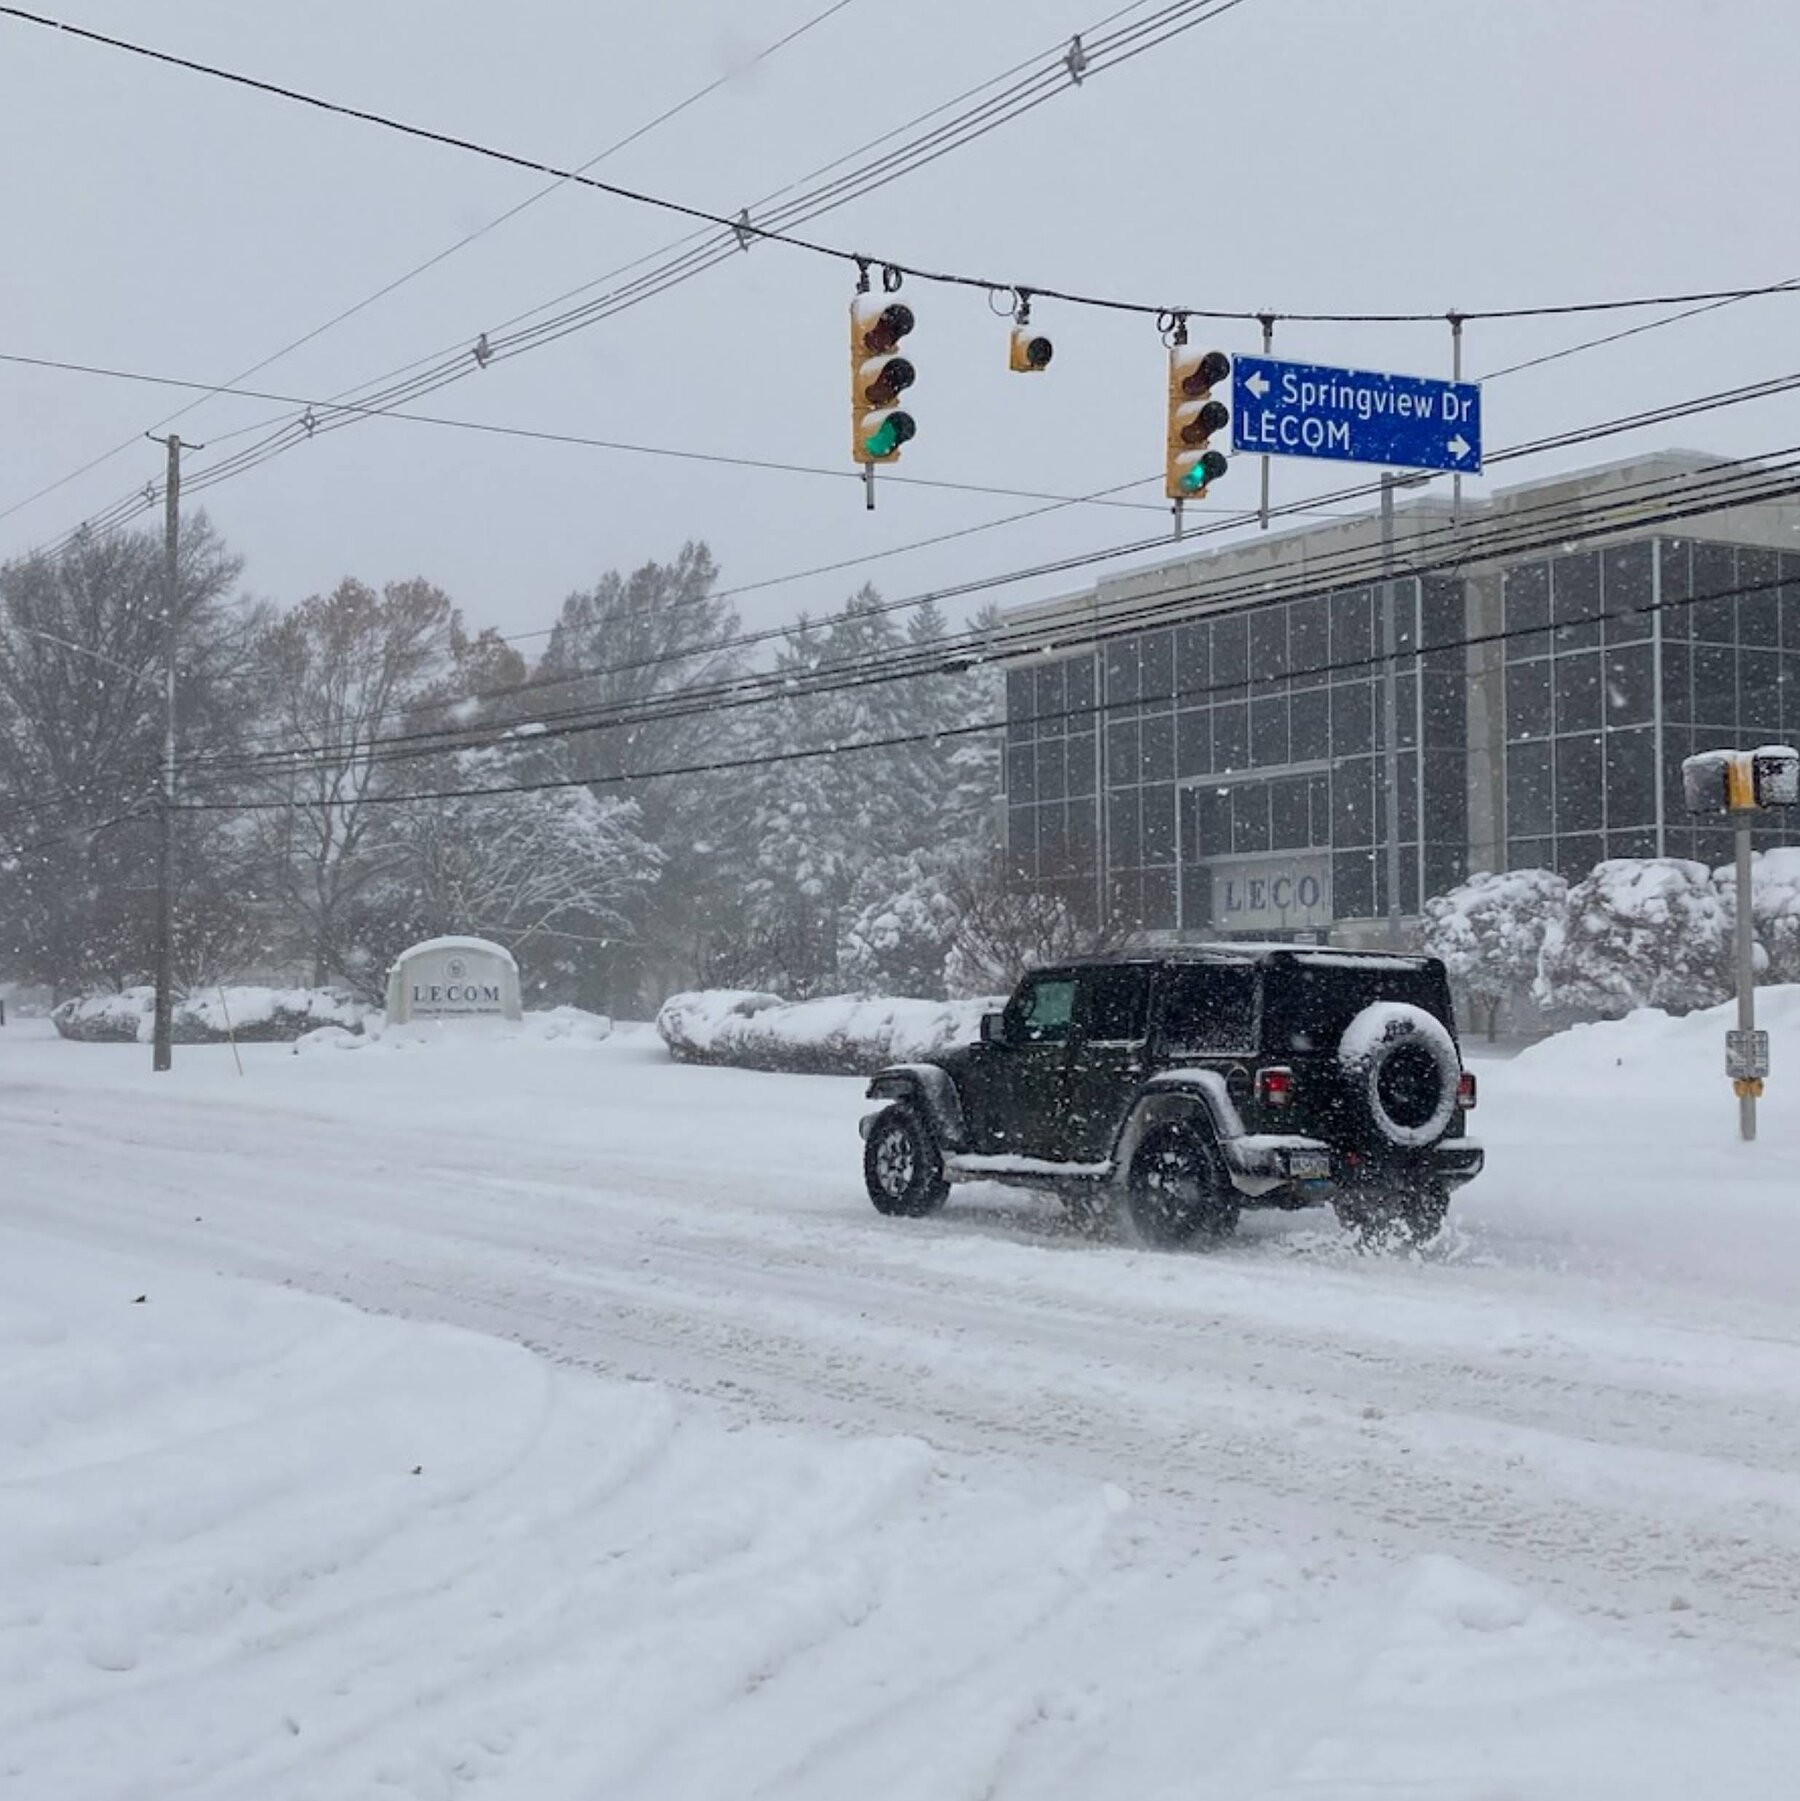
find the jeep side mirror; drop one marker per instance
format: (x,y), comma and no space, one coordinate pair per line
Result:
(993,1028)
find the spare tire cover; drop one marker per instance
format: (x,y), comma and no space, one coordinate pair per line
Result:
(1400,1069)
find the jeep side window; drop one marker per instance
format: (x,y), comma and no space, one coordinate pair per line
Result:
(1115,1004)
(1209,1008)
(1041,1012)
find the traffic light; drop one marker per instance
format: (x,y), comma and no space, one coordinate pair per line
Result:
(1031,351)
(1744,781)
(878,377)
(1193,418)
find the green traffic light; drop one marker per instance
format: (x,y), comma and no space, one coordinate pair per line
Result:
(882,442)
(1206,471)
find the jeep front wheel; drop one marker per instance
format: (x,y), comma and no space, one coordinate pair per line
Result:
(1177,1191)
(901,1167)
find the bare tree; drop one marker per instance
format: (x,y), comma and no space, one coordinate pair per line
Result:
(342,672)
(1005,927)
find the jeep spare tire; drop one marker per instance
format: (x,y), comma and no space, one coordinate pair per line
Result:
(1400,1071)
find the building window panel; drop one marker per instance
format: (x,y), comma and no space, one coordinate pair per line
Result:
(1269,732)
(1193,664)
(1630,779)
(1157,741)
(1576,857)
(1021,840)
(1575,600)
(1050,699)
(1443,613)
(1352,634)
(1677,585)
(1578,695)
(1318,807)
(1678,682)
(1289,826)
(1215,824)
(1445,867)
(1231,737)
(1759,597)
(1715,686)
(1193,743)
(1157,911)
(1790,600)
(1021,694)
(1529,789)
(1353,885)
(1157,669)
(1158,824)
(1579,794)
(1121,752)
(1083,838)
(1714,610)
(1352,719)
(1790,691)
(1528,700)
(1409,801)
(1309,725)
(1052,841)
(1626,592)
(1527,611)
(1639,843)
(1122,829)
(1530,853)
(1268,643)
(1759,690)
(1446,708)
(1051,769)
(1250,817)
(1446,798)
(1081,689)
(1678,745)
(1079,765)
(1353,802)
(1630,685)
(1021,773)
(1230,654)
(1122,671)
(1309,642)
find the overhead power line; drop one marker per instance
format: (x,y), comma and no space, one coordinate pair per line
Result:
(1730,483)
(749,228)
(1003,100)
(727,765)
(444,255)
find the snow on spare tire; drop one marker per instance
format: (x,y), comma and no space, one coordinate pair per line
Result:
(1372,1040)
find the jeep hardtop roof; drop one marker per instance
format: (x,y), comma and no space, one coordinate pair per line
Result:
(1315,956)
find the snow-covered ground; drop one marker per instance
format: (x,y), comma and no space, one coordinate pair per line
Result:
(673,1470)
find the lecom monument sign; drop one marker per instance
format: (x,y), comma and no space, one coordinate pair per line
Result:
(453,978)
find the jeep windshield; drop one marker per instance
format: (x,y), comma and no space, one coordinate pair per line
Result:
(1308,1002)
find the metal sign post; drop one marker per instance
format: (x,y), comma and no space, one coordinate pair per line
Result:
(1748,1083)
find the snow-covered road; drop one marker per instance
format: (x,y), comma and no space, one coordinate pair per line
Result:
(1589,1391)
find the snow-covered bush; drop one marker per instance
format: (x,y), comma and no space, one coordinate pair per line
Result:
(1490,931)
(901,926)
(253,1015)
(836,1035)
(1639,932)
(1775,907)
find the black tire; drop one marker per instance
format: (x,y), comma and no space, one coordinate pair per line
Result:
(1177,1191)
(902,1169)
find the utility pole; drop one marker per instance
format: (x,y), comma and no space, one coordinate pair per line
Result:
(162,1054)
(1390,698)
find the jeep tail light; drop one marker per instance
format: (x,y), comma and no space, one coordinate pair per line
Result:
(1275,1087)
(1465,1090)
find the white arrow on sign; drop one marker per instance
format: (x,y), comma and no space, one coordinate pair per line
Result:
(1459,447)
(1258,385)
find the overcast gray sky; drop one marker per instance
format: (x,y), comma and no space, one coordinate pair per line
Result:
(1300,155)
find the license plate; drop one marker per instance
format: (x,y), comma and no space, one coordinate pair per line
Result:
(1309,1166)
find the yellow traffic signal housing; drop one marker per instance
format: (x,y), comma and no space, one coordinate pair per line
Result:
(1031,351)
(879,375)
(1193,418)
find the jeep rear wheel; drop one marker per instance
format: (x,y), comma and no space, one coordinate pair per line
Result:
(901,1167)
(1177,1191)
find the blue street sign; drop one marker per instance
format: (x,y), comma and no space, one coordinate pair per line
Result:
(1354,416)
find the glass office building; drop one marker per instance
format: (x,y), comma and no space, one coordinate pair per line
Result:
(1225,768)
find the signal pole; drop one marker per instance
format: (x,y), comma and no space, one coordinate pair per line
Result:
(162,1053)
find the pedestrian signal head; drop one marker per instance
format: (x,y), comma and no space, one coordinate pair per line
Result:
(879,375)
(1194,416)
(1031,351)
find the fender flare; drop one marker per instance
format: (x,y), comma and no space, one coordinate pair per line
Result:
(932,1092)
(1177,1097)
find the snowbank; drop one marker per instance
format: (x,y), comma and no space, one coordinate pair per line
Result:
(554,1025)
(839,1035)
(260,1547)
(254,1015)
(1676,1047)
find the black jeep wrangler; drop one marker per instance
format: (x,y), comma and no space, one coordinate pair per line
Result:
(1166,1090)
